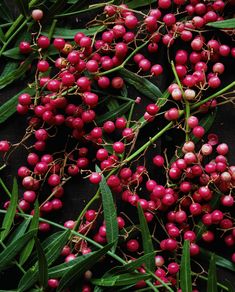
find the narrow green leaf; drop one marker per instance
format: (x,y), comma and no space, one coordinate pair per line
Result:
(185,269)
(121,280)
(13,249)
(131,266)
(11,211)
(219,260)
(76,271)
(42,264)
(146,239)
(143,85)
(14,53)
(19,231)
(212,277)
(9,67)
(110,115)
(110,212)
(26,252)
(228,23)
(59,270)
(2,36)
(9,107)
(16,74)
(68,33)
(52,253)
(139,3)
(112,105)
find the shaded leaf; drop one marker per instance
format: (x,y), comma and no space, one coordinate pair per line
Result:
(229,286)
(9,67)
(185,269)
(110,212)
(131,266)
(14,53)
(2,36)
(13,249)
(9,107)
(219,260)
(76,271)
(139,3)
(42,264)
(11,211)
(5,12)
(59,270)
(19,231)
(143,85)
(16,74)
(109,115)
(121,280)
(67,33)
(23,6)
(212,277)
(26,252)
(228,23)
(146,239)
(52,253)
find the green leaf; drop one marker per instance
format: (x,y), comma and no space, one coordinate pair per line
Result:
(42,265)
(9,67)
(146,239)
(143,85)
(26,252)
(121,280)
(131,266)
(114,113)
(212,277)
(2,36)
(9,107)
(219,260)
(139,3)
(185,269)
(76,271)
(13,249)
(67,33)
(19,231)
(228,23)
(110,212)
(14,53)
(16,74)
(11,211)
(59,270)
(51,253)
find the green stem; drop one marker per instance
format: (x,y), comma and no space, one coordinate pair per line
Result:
(11,37)
(50,34)
(124,62)
(151,141)
(218,93)
(187,105)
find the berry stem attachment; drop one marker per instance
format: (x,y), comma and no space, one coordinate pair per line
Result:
(125,61)
(187,105)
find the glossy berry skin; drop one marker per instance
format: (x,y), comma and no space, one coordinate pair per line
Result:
(43,42)
(132,245)
(4,146)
